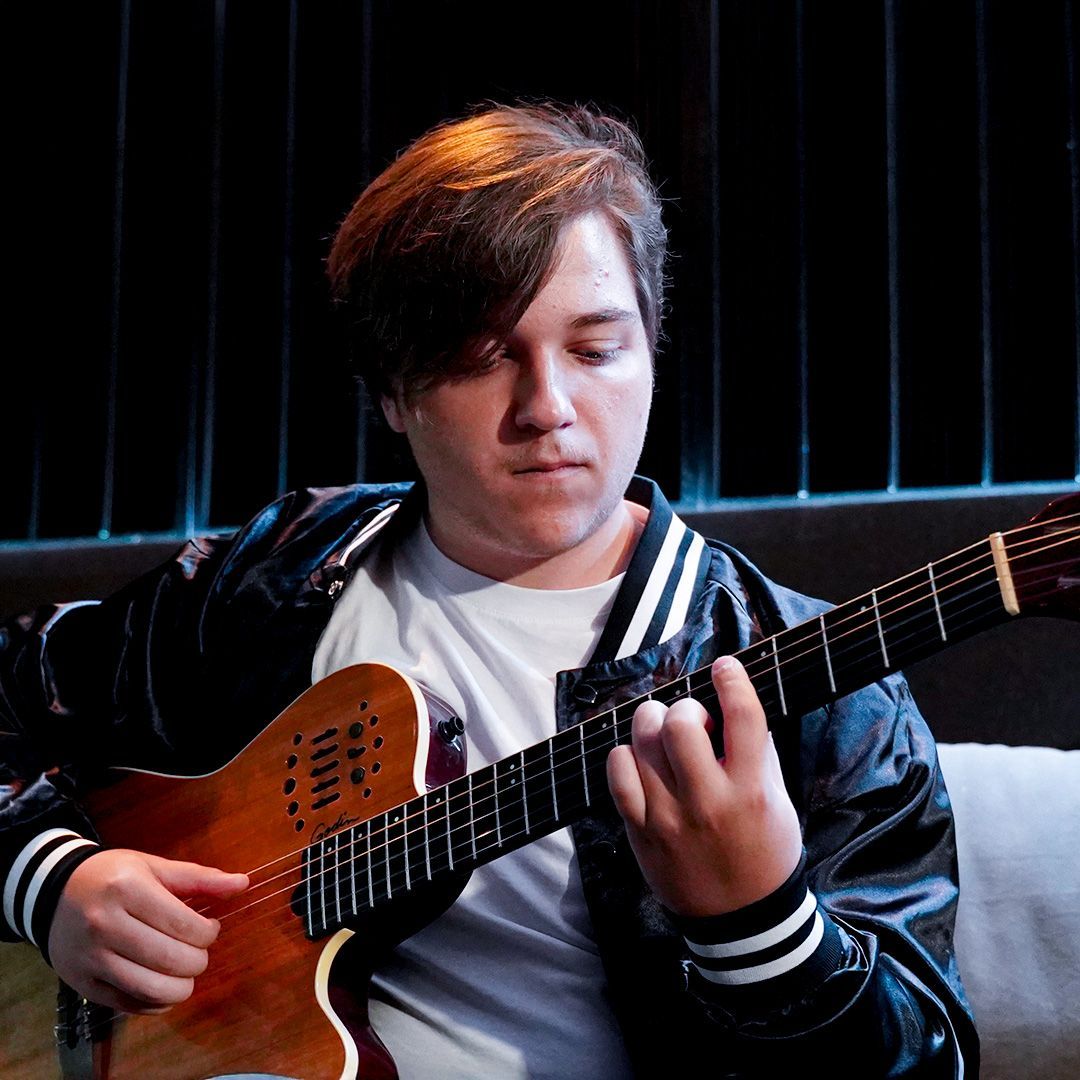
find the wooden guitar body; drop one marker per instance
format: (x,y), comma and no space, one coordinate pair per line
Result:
(351,747)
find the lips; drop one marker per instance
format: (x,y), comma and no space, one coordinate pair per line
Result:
(548,467)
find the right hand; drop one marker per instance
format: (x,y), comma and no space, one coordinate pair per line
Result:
(122,937)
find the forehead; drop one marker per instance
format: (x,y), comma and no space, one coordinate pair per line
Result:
(590,273)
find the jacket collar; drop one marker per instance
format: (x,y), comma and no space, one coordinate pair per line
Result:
(664,578)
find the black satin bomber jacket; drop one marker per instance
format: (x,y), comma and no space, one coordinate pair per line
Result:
(178,670)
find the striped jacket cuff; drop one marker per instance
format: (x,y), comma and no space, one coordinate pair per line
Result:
(36,879)
(773,950)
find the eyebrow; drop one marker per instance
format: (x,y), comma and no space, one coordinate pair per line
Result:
(604,315)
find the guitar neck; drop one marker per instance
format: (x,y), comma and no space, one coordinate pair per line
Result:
(454,829)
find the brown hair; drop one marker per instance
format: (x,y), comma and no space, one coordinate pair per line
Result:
(443,252)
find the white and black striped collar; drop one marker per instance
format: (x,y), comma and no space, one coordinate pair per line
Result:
(665,574)
(664,577)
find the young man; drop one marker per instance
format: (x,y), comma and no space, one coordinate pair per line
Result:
(504,279)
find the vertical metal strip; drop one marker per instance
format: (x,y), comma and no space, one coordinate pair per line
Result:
(985,253)
(1071,92)
(713,471)
(33,523)
(366,168)
(202,467)
(803,338)
(893,245)
(700,382)
(112,377)
(288,223)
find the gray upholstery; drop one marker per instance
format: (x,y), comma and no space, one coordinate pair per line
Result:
(1018,926)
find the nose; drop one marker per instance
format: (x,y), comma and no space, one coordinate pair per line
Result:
(544,398)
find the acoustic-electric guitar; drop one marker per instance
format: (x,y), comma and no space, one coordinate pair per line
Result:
(357,823)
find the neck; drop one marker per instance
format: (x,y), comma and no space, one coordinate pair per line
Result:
(605,552)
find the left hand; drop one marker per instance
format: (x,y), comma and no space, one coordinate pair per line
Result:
(711,835)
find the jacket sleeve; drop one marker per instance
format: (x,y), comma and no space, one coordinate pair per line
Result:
(881,862)
(81,687)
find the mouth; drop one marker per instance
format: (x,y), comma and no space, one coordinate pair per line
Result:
(549,468)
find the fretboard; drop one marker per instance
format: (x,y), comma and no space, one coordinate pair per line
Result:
(455,828)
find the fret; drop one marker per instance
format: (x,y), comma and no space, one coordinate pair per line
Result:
(509,783)
(377,856)
(689,692)
(776,668)
(427,840)
(828,658)
(524,793)
(472,817)
(436,849)
(880,629)
(495,796)
(551,770)
(310,906)
(462,825)
(449,838)
(459,822)
(937,605)
(537,785)
(370,889)
(584,771)
(414,841)
(353,859)
(406,832)
(322,884)
(568,775)
(335,847)
(913,615)
(483,818)
(388,853)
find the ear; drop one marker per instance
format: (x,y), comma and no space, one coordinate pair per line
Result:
(393,411)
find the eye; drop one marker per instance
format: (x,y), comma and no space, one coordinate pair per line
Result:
(488,364)
(600,354)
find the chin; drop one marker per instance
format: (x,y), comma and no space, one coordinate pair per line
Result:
(555,534)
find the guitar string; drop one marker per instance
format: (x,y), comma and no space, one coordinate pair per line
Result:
(373,848)
(397,880)
(574,761)
(705,699)
(759,666)
(295,927)
(657,694)
(764,666)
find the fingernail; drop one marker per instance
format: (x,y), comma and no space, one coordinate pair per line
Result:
(723,664)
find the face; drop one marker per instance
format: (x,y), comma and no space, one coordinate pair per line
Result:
(526,462)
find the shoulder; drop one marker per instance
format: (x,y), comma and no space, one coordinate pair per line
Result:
(773,606)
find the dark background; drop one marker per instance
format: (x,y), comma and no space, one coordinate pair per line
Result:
(874,209)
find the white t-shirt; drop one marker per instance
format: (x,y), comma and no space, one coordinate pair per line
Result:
(508,982)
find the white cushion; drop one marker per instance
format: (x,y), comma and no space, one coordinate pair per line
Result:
(1018,924)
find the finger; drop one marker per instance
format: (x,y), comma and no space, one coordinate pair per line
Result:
(624,783)
(142,985)
(163,912)
(104,993)
(746,734)
(689,750)
(190,879)
(149,948)
(646,740)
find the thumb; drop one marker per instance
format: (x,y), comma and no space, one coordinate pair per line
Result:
(185,879)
